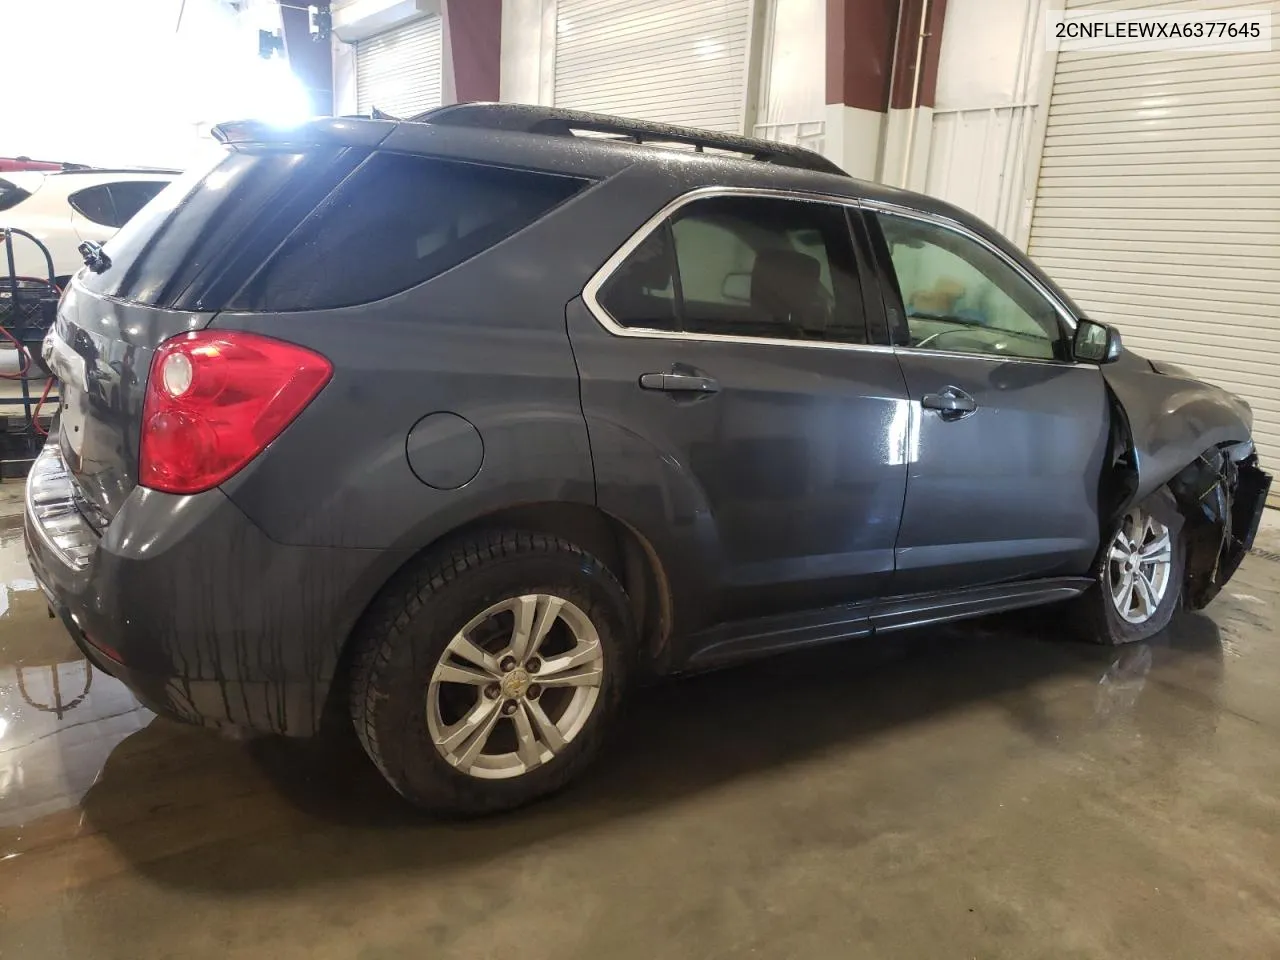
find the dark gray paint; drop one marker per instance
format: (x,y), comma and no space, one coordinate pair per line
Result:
(767,503)
(781,491)
(1172,419)
(444,450)
(1010,491)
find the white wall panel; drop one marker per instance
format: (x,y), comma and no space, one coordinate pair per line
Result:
(1158,207)
(793,74)
(675,61)
(986,110)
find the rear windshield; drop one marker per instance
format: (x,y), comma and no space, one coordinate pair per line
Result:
(11,194)
(397,221)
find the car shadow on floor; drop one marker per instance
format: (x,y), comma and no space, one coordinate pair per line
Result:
(191,809)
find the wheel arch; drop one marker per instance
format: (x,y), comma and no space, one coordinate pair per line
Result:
(626,552)
(1213,477)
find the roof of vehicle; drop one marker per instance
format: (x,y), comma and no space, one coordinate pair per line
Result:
(552,140)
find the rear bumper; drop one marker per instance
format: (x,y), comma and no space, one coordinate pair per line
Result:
(189,604)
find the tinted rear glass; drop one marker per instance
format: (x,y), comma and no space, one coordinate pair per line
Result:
(397,221)
(213,216)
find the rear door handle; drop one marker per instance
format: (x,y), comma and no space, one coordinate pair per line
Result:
(678,383)
(952,403)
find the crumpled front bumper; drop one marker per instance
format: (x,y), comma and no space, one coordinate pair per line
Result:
(1222,495)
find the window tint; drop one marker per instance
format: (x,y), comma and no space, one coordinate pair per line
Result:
(641,292)
(746,267)
(397,221)
(131,196)
(961,297)
(11,195)
(94,203)
(204,234)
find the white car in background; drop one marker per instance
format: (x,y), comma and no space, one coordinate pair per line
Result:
(65,208)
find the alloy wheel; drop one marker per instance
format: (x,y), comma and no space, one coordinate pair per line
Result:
(1139,566)
(515,686)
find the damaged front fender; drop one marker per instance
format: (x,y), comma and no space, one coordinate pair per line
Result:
(1195,438)
(1172,419)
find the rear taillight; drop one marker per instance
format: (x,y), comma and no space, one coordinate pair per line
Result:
(215,399)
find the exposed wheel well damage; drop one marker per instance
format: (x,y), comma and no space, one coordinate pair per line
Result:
(1220,494)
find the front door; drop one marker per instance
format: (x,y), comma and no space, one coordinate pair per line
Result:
(739,420)
(1008,434)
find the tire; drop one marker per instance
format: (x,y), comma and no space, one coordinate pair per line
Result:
(1098,611)
(403,702)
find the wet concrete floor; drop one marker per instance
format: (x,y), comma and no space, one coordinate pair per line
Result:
(990,791)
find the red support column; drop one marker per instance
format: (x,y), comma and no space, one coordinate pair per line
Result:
(859,60)
(473,32)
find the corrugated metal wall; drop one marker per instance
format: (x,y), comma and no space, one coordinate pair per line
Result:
(400,71)
(675,61)
(1158,207)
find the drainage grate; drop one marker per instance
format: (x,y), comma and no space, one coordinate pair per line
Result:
(1265,554)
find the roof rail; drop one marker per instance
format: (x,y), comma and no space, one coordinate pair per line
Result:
(524,118)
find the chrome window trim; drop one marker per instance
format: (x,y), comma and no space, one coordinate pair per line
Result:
(590,292)
(946,223)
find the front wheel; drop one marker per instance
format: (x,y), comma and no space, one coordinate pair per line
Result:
(1140,575)
(488,676)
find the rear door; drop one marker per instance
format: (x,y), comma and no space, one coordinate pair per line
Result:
(1008,434)
(738,416)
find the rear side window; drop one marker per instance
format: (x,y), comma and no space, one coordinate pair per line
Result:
(94,204)
(762,267)
(11,195)
(395,222)
(130,196)
(114,204)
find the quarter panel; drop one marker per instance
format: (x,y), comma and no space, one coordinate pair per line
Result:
(485,340)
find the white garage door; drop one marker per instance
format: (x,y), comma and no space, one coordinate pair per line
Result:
(1158,207)
(399,71)
(675,61)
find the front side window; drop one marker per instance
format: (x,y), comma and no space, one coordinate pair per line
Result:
(961,297)
(744,267)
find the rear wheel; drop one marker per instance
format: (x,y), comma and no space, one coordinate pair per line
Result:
(487,676)
(1140,575)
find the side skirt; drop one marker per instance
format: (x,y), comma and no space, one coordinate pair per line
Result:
(745,639)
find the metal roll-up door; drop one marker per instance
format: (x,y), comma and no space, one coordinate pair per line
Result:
(674,61)
(1158,207)
(400,71)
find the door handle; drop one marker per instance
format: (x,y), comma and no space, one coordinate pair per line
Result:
(952,403)
(678,383)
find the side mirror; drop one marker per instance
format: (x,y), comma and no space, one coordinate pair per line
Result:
(1096,342)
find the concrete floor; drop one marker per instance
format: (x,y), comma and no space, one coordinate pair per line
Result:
(991,791)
